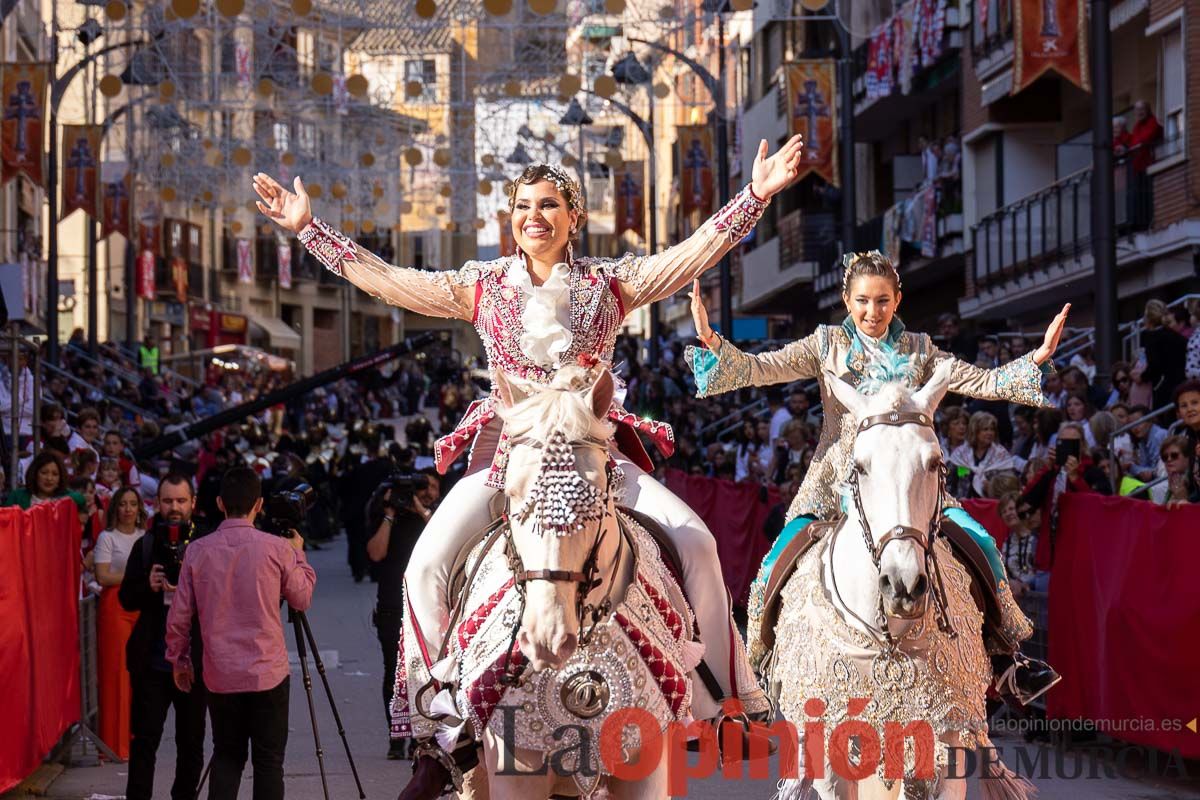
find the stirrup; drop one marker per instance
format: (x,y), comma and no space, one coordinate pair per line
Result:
(750,726)
(435,770)
(1038,678)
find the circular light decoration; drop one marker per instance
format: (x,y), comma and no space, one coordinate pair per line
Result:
(452,227)
(265,87)
(413,156)
(441,157)
(605,86)
(231,8)
(251,206)
(322,83)
(207,196)
(110,86)
(207,144)
(166,90)
(357,85)
(302,8)
(367,160)
(488,160)
(214,158)
(185,9)
(266,229)
(497,8)
(666,12)
(368,226)
(445,191)
(439,210)
(338,190)
(229,210)
(314,190)
(167,160)
(480,224)
(377,192)
(512,88)
(569,84)
(241,156)
(542,6)
(115,10)
(406,207)
(426,9)
(662,91)
(236,227)
(348,208)
(288,159)
(485,188)
(413,88)
(167,195)
(615,7)
(569,161)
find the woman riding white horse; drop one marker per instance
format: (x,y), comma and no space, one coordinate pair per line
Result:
(535,312)
(869,348)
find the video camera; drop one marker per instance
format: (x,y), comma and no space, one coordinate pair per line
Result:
(170,540)
(286,511)
(403,486)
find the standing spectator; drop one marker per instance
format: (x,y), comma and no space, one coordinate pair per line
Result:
(1079,411)
(953,429)
(1193,346)
(148,354)
(25,398)
(979,458)
(1146,134)
(126,524)
(1085,362)
(1187,404)
(1179,321)
(114,448)
(1166,353)
(1070,474)
(780,415)
(1147,439)
(1122,382)
(1120,135)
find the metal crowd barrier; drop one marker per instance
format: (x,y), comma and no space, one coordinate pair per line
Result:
(83,746)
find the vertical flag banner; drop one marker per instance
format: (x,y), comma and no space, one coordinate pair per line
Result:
(1050,35)
(245,262)
(23,90)
(81,168)
(179,278)
(115,216)
(697,172)
(630,198)
(812,112)
(146,263)
(241,57)
(283,255)
(508,245)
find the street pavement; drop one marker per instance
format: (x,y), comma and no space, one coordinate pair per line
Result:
(341,622)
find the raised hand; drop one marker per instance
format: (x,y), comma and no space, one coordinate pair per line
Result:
(700,315)
(290,210)
(1053,335)
(772,175)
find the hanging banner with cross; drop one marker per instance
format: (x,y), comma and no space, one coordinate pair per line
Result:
(116,212)
(1050,35)
(508,244)
(283,257)
(81,168)
(697,173)
(245,262)
(630,198)
(812,112)
(23,88)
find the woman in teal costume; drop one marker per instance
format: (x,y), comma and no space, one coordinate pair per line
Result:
(870,348)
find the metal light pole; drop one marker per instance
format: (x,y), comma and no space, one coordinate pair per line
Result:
(846,112)
(1104,250)
(576,116)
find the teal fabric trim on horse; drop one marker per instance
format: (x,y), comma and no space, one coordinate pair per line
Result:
(703,363)
(980,534)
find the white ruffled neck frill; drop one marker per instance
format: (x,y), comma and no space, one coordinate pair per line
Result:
(546,321)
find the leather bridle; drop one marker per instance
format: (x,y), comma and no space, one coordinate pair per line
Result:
(924,539)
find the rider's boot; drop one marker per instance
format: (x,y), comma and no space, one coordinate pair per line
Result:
(1020,680)
(740,736)
(435,771)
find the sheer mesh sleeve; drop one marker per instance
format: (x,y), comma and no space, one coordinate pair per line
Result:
(449,294)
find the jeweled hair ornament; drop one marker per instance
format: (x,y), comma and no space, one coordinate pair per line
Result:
(562,181)
(850,259)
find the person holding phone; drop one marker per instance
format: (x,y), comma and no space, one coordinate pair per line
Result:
(1068,470)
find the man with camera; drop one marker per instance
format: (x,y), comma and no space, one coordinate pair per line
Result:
(396,515)
(233,580)
(148,587)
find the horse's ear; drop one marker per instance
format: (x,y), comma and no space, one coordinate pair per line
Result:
(600,396)
(929,395)
(846,394)
(511,391)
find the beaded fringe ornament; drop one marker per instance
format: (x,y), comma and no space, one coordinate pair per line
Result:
(564,501)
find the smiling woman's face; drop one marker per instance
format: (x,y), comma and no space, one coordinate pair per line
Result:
(871,301)
(542,220)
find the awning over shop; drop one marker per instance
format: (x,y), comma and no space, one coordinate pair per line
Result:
(280,335)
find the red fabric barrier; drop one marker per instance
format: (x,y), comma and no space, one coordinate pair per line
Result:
(39,633)
(1124,619)
(735,513)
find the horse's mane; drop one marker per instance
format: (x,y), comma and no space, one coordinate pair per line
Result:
(560,406)
(892,396)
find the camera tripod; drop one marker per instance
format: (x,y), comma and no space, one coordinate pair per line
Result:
(304,634)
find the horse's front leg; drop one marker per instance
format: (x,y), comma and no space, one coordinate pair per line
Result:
(948,788)
(501,763)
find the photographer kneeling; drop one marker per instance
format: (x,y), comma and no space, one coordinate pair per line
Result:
(233,580)
(396,515)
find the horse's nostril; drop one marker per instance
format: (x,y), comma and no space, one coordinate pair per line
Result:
(885,584)
(920,587)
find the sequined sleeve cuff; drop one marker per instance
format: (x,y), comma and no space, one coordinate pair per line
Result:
(740,215)
(718,373)
(1020,381)
(327,244)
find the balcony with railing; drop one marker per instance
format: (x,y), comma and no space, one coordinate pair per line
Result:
(806,240)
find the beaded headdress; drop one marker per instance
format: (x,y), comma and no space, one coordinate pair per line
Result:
(874,257)
(562,181)
(561,499)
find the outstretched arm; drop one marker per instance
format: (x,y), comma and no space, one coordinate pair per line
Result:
(724,368)
(647,279)
(432,293)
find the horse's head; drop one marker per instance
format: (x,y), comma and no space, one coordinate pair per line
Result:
(894,481)
(558,491)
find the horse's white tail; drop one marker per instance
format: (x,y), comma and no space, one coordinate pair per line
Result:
(794,789)
(1004,784)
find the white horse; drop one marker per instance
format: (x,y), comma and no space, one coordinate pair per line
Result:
(568,614)
(880,609)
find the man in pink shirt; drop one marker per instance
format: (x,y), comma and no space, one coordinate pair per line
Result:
(234,580)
